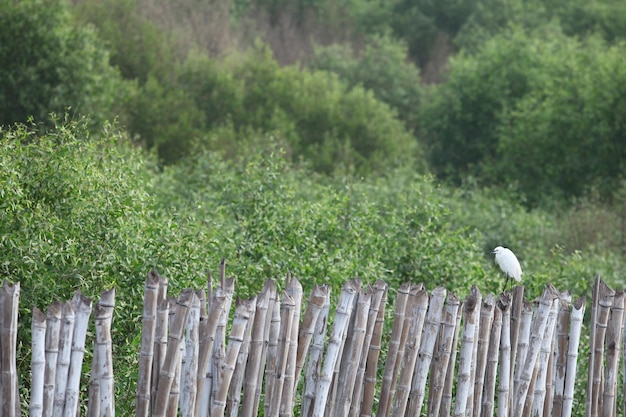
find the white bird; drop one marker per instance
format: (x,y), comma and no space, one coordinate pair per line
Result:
(508,263)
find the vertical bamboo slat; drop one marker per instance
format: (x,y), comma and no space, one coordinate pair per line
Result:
(504,387)
(562,333)
(272,354)
(53,327)
(38,362)
(294,289)
(189,369)
(543,361)
(104,344)
(146,353)
(286,322)
(603,310)
(68,316)
(592,350)
(160,337)
(446,398)
(613,338)
(314,365)
(576,323)
(490,375)
(484,330)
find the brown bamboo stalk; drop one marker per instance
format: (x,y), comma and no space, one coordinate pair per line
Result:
(174,391)
(415,313)
(504,385)
(243,313)
(576,322)
(592,350)
(484,331)
(146,353)
(347,375)
(373,353)
(286,322)
(294,289)
(38,362)
(160,337)
(272,354)
(446,397)
(605,301)
(471,310)
(82,308)
(492,363)
(523,340)
(168,368)
(443,352)
(470,396)
(53,327)
(543,364)
(538,328)
(613,337)
(9,300)
(389,376)
(560,363)
(189,366)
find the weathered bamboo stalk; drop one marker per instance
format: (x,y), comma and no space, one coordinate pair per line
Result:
(104,344)
(520,311)
(189,366)
(504,387)
(174,391)
(484,330)
(538,328)
(490,375)
(613,337)
(605,301)
(294,289)
(471,310)
(523,341)
(439,366)
(160,337)
(38,362)
(234,392)
(146,353)
(243,313)
(389,376)
(335,344)
(286,322)
(314,366)
(432,327)
(576,323)
(562,335)
(272,354)
(53,327)
(175,337)
(373,353)
(82,308)
(9,300)
(470,396)
(542,366)
(592,350)
(446,398)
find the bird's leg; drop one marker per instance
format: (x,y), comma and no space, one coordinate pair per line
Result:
(505,282)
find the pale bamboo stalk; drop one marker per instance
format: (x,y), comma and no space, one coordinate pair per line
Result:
(104,346)
(294,289)
(335,343)
(551,364)
(9,296)
(538,328)
(314,366)
(236,384)
(560,363)
(168,369)
(146,353)
(576,323)
(243,314)
(624,361)
(174,392)
(347,377)
(68,317)
(504,385)
(592,351)
(53,328)
(256,360)
(439,367)
(373,353)
(519,309)
(207,338)
(484,331)
(542,365)
(272,354)
(317,298)
(471,311)
(434,319)
(376,292)
(523,340)
(613,336)
(446,397)
(38,362)
(490,375)
(286,322)
(219,345)
(605,301)
(189,374)
(267,336)
(82,308)
(160,337)
(470,395)
(389,376)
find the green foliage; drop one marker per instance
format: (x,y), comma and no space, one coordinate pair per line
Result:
(48,65)
(382,67)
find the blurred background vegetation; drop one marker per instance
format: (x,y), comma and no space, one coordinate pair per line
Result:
(396,139)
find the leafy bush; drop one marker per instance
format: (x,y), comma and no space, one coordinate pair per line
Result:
(48,65)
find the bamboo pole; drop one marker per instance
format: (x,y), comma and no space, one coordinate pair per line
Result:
(538,328)
(576,323)
(234,392)
(314,364)
(520,311)
(389,376)
(471,312)
(9,300)
(562,336)
(439,367)
(484,331)
(243,315)
(38,362)
(294,289)
(146,353)
(592,350)
(68,317)
(160,337)
(603,309)
(272,354)
(286,322)
(504,387)
(174,391)
(53,327)
(189,366)
(523,341)
(432,326)
(335,344)
(613,336)
(104,372)
(82,308)
(470,396)
(490,375)
(376,292)
(543,362)
(168,368)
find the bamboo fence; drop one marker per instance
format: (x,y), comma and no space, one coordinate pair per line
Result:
(477,357)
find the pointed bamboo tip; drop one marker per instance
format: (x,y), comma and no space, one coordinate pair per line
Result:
(439,292)
(153,277)
(54,310)
(39,318)
(10,289)
(107,298)
(81,302)
(580,302)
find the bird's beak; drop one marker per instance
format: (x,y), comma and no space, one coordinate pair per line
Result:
(493,251)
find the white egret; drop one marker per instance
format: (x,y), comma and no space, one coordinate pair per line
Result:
(508,263)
